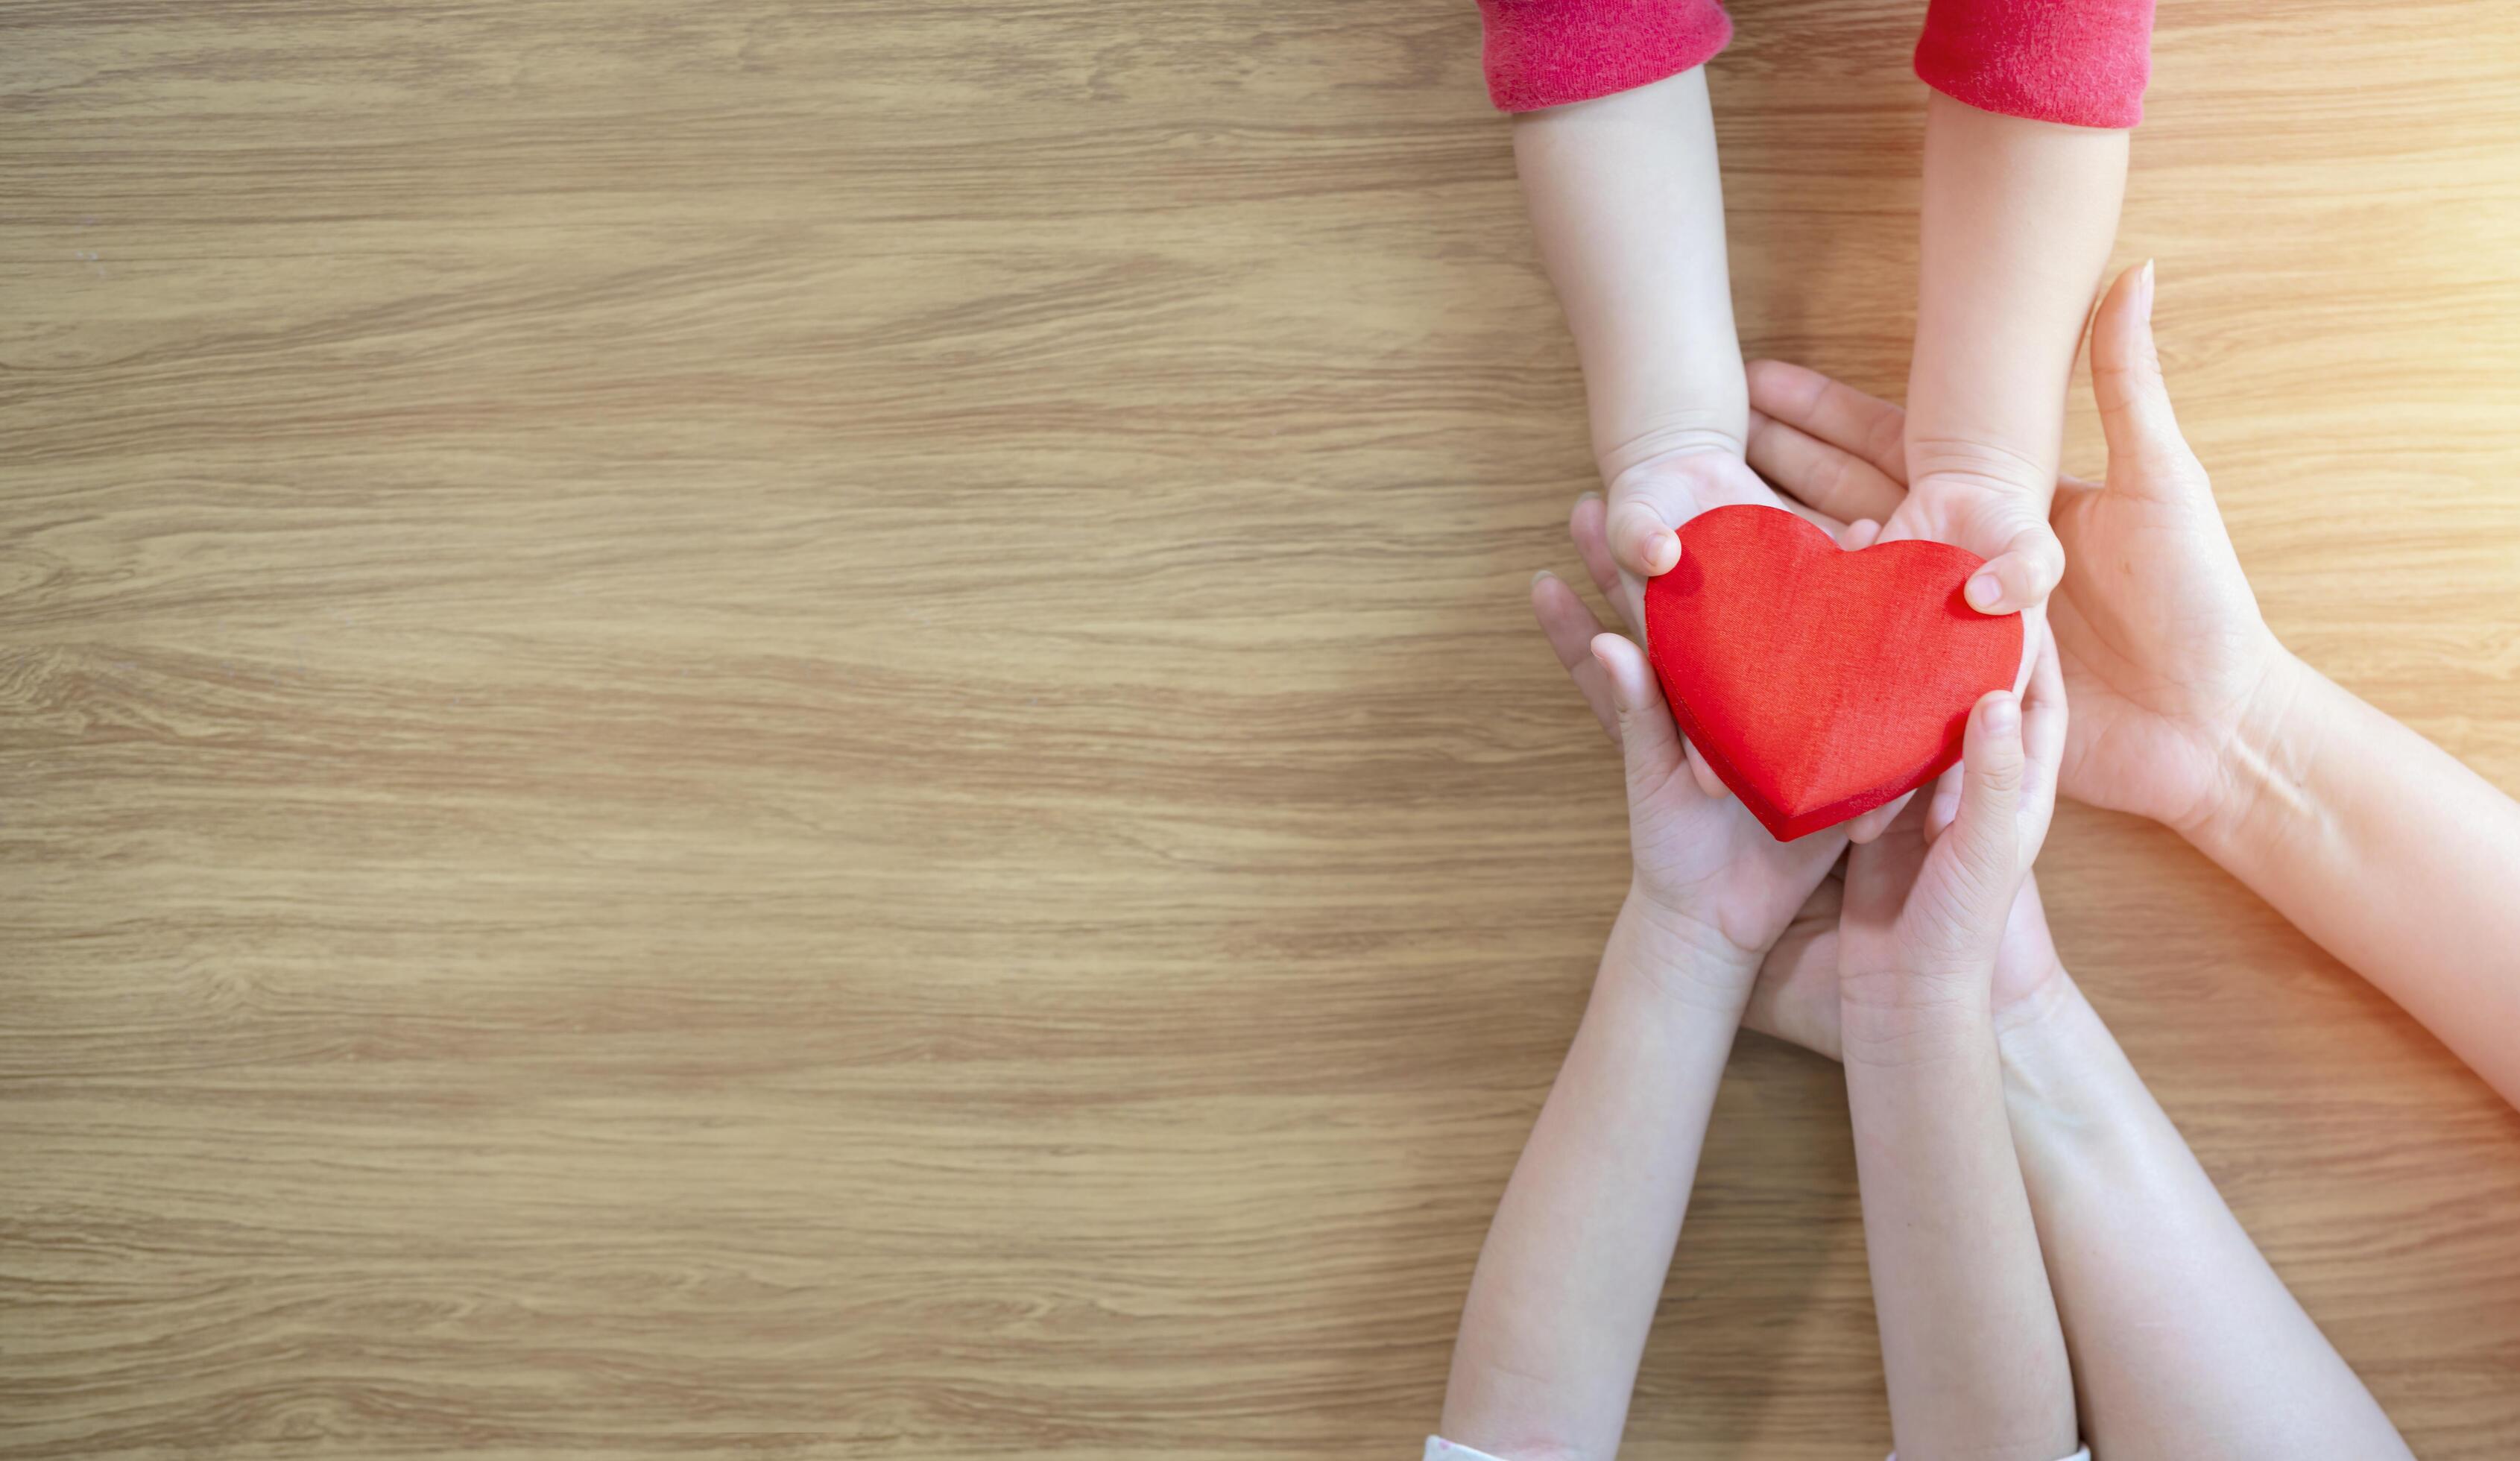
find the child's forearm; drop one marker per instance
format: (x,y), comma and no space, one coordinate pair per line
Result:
(2184,1342)
(1971,1341)
(1629,206)
(2383,847)
(1574,1263)
(2017,220)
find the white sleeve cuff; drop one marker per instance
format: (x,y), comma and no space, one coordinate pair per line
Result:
(1440,1449)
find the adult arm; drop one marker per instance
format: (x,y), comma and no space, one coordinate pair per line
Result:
(2376,842)
(1574,1264)
(1971,1341)
(2185,1341)
(2384,849)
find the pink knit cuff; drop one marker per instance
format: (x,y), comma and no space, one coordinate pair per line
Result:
(2080,62)
(1548,53)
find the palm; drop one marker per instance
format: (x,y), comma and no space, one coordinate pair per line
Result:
(1684,487)
(1797,999)
(1971,514)
(2158,638)
(1710,856)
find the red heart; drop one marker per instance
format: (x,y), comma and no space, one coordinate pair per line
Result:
(1819,683)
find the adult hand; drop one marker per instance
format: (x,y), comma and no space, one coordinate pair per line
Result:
(1704,865)
(1922,913)
(1795,999)
(2161,643)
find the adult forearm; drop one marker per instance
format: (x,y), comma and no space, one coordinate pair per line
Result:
(1971,1341)
(1574,1264)
(2389,852)
(1628,203)
(2017,220)
(2184,1342)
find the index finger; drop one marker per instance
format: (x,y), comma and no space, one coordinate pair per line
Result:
(1863,426)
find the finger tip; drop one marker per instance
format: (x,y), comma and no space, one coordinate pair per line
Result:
(1615,654)
(1999,713)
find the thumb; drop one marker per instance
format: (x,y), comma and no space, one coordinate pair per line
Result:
(1641,537)
(1646,736)
(2027,570)
(1984,841)
(2146,453)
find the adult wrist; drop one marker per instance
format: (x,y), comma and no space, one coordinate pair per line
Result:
(1910,1020)
(2263,763)
(1684,958)
(2078,1108)
(2030,1028)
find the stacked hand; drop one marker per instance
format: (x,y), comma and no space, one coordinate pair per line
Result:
(2156,640)
(2163,650)
(1704,865)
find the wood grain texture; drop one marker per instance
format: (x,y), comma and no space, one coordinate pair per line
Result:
(773,729)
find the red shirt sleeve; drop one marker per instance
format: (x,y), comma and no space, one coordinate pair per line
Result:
(1548,53)
(2081,62)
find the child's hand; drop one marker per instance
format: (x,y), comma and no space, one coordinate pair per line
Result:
(1702,862)
(1922,915)
(1654,499)
(1980,501)
(2162,646)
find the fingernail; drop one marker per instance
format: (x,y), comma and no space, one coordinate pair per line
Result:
(2003,715)
(2143,293)
(1543,574)
(1667,553)
(1587,496)
(1985,591)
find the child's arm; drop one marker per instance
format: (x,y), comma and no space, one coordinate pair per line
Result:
(1628,205)
(2016,223)
(2025,161)
(1574,1263)
(1969,1336)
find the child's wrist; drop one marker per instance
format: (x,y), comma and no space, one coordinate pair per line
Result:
(1667,443)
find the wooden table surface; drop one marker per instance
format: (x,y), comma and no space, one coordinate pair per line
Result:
(760,730)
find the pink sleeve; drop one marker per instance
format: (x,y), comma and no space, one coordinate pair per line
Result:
(1547,53)
(2081,62)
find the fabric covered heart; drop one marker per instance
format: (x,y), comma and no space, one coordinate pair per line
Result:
(1818,683)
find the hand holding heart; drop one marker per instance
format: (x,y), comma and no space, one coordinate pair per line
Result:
(2163,650)
(2157,638)
(1918,917)
(1704,865)
(1659,494)
(1819,683)
(1923,914)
